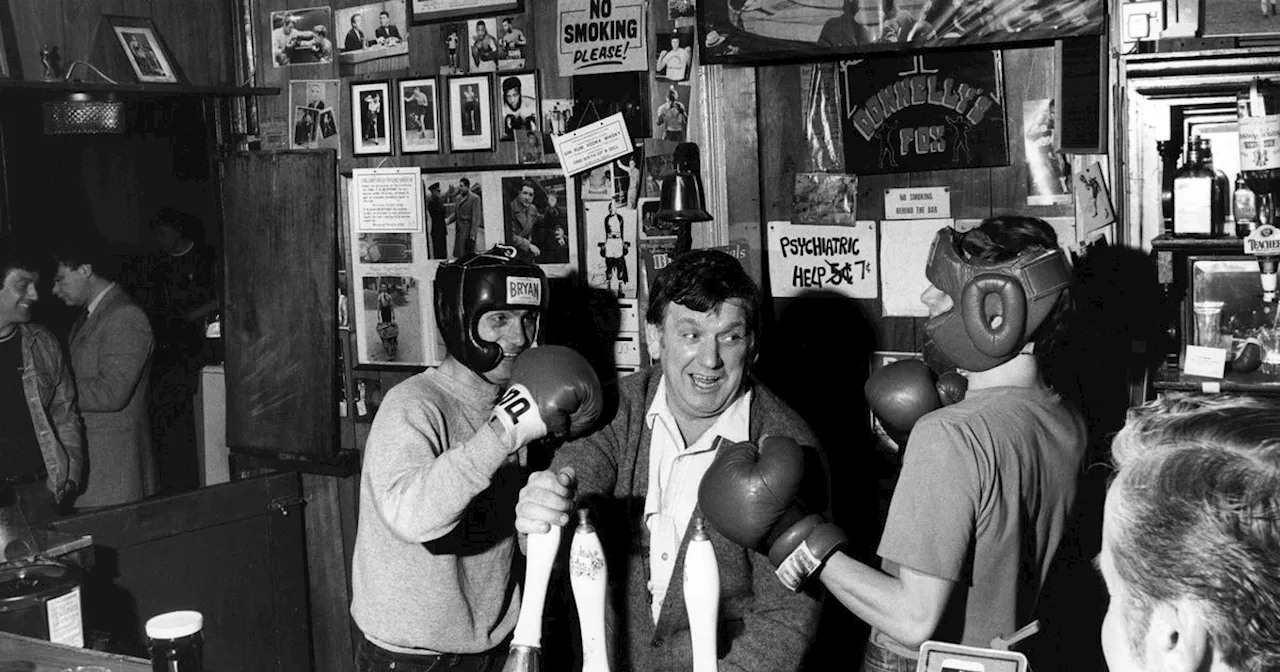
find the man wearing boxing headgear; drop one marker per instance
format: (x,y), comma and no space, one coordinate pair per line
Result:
(640,474)
(432,578)
(988,482)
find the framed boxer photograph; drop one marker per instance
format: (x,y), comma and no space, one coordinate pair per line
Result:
(517,103)
(419,116)
(471,113)
(482,52)
(302,37)
(452,49)
(431,11)
(514,47)
(371,118)
(150,58)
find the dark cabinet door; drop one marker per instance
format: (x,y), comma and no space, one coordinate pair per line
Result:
(280,304)
(234,552)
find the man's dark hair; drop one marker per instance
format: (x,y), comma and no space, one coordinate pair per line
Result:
(510,83)
(465,182)
(19,253)
(703,280)
(74,253)
(384,13)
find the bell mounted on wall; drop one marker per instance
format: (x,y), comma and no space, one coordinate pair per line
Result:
(682,200)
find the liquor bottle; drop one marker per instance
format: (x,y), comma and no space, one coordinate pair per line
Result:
(1193,195)
(1258,111)
(1244,207)
(1169,155)
(1220,207)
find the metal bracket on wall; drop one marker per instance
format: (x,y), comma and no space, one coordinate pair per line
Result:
(282,505)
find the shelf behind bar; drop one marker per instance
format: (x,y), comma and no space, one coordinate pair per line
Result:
(161,89)
(1254,382)
(1224,244)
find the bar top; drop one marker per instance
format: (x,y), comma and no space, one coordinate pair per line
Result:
(36,655)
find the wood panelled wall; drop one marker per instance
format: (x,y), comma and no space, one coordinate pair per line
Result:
(975,193)
(202,34)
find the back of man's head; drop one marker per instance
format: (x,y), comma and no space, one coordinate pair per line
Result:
(76,252)
(1193,516)
(703,280)
(19,252)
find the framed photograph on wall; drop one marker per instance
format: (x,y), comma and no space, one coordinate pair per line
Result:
(145,50)
(517,103)
(419,115)
(471,113)
(371,118)
(301,36)
(763,31)
(429,11)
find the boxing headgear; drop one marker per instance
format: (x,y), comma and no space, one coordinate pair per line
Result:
(468,288)
(1022,290)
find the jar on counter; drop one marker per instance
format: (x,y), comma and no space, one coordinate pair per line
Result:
(176,642)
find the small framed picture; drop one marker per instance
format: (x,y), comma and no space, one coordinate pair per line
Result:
(144,48)
(517,104)
(482,45)
(471,113)
(370,118)
(419,116)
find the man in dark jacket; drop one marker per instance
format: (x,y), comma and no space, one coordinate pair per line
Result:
(640,473)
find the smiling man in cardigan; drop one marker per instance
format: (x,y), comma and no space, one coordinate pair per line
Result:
(640,474)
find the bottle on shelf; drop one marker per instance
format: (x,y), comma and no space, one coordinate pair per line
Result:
(1169,154)
(1193,208)
(1220,205)
(1258,112)
(1244,207)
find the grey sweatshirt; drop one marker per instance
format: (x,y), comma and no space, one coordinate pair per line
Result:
(435,547)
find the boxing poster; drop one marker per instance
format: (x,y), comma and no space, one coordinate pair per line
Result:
(923,112)
(602,36)
(610,232)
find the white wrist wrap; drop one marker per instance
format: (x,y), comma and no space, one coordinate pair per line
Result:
(518,416)
(797,567)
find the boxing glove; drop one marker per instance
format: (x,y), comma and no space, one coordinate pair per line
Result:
(754,498)
(901,392)
(553,391)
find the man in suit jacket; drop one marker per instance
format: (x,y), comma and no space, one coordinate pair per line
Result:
(111,346)
(640,472)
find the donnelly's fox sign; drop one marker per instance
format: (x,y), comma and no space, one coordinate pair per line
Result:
(923,112)
(602,36)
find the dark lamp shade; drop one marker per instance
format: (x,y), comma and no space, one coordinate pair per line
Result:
(682,199)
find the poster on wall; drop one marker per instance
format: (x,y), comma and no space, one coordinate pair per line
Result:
(805,258)
(610,233)
(387,199)
(301,37)
(598,37)
(372,32)
(314,103)
(923,112)
(1048,173)
(761,31)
